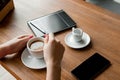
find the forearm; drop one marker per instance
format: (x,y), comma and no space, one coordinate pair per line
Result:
(53,72)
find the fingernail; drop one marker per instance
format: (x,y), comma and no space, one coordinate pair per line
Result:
(31,36)
(45,35)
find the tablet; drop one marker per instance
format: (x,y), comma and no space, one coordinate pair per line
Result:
(53,22)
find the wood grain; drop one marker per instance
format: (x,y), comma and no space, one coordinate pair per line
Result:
(102,26)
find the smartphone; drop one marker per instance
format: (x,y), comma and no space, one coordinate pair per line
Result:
(91,67)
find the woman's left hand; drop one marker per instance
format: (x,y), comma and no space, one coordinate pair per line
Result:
(14,45)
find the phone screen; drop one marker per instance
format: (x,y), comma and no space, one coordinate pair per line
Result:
(91,67)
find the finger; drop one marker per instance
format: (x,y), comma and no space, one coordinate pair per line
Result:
(51,36)
(46,39)
(25,36)
(45,35)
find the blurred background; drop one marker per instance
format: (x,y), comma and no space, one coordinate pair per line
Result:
(112,5)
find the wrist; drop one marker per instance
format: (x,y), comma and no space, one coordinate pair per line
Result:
(53,71)
(53,64)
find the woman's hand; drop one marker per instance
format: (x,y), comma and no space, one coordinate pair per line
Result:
(14,45)
(53,50)
(53,54)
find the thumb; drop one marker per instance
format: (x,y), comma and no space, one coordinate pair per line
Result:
(46,39)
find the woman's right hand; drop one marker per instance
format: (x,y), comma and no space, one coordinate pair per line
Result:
(53,50)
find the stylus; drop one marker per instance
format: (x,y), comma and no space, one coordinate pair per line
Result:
(37,28)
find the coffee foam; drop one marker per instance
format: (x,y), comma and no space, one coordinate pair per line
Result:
(36,45)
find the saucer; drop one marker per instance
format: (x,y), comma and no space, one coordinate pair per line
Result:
(77,44)
(32,62)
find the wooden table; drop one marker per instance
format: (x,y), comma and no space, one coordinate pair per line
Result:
(102,26)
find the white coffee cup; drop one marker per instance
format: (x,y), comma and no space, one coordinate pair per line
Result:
(35,47)
(77,34)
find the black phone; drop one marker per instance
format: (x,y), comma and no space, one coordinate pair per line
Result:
(91,67)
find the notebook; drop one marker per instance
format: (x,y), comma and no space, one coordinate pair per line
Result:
(5,75)
(53,22)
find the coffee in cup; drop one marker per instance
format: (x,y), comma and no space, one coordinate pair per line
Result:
(35,47)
